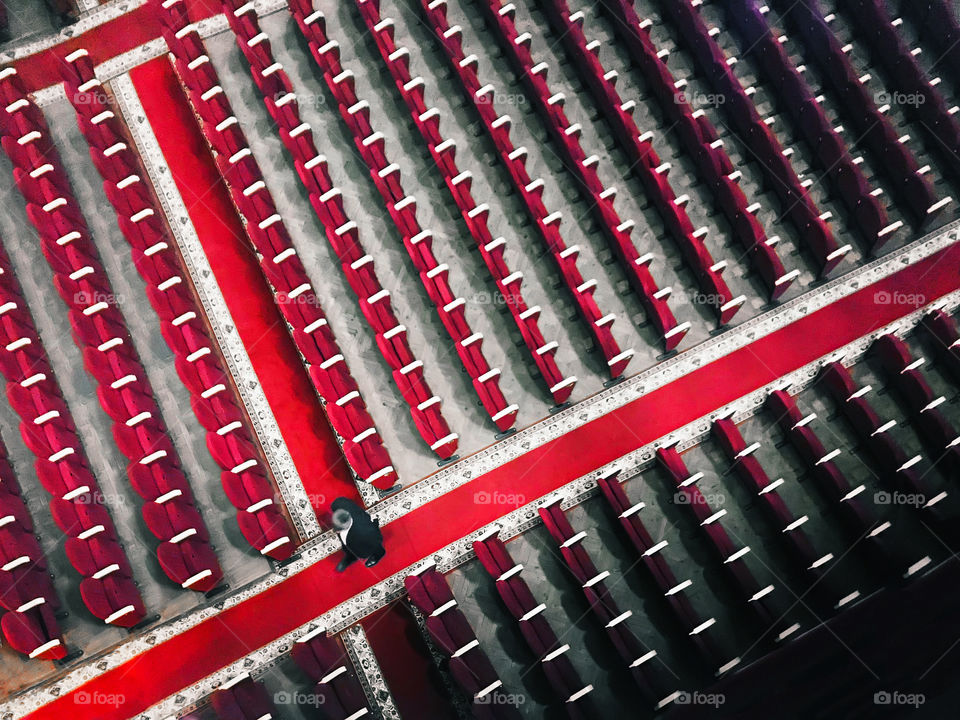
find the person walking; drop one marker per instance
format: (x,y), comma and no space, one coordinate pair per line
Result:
(359,534)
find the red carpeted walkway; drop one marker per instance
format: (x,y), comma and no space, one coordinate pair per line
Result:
(236,632)
(106,41)
(275,359)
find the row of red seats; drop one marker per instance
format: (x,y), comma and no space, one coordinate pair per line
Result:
(650,677)
(197,358)
(418,243)
(450,630)
(324,660)
(700,631)
(293,293)
(853,504)
(937,24)
(815,234)
(357,265)
(27,597)
(944,329)
(443,151)
(652,173)
(908,77)
(804,108)
(760,600)
(529,190)
(868,122)
(242,698)
(62,467)
(891,463)
(924,408)
(694,129)
(534,626)
(100,330)
(788,527)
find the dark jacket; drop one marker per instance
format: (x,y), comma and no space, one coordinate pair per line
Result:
(364,538)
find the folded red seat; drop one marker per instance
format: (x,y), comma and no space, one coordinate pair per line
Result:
(114,600)
(268,532)
(242,699)
(175,520)
(98,554)
(81,513)
(428,590)
(216,412)
(191,563)
(248,489)
(157,479)
(62,476)
(34,633)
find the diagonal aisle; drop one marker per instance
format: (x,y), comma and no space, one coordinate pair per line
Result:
(275,360)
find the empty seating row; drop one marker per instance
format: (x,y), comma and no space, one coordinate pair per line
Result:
(536,629)
(454,637)
(242,698)
(814,232)
(481,96)
(925,408)
(652,173)
(789,527)
(324,660)
(760,600)
(386,176)
(700,631)
(100,330)
(327,201)
(28,600)
(198,361)
(946,333)
(937,24)
(906,76)
(869,123)
(293,293)
(650,677)
(888,458)
(48,429)
(695,132)
(474,215)
(805,110)
(853,504)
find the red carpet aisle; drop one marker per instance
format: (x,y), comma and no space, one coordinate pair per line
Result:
(104,42)
(275,359)
(237,631)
